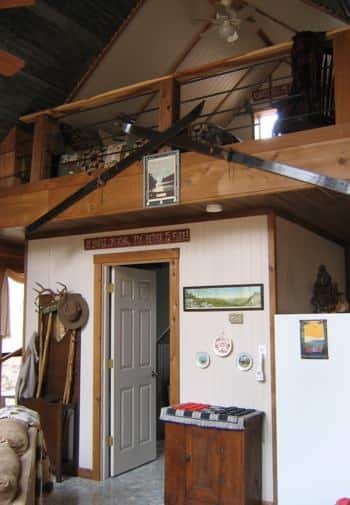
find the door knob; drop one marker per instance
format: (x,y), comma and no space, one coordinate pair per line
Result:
(155,374)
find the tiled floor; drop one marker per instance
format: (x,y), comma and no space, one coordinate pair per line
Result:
(143,486)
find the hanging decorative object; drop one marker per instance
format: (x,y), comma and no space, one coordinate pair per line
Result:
(325,292)
(202,359)
(244,361)
(222,345)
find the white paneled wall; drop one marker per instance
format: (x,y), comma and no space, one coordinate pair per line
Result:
(231,251)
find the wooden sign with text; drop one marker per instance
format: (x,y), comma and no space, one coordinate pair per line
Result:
(138,239)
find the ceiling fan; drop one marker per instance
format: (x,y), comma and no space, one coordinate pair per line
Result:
(226,20)
(10,64)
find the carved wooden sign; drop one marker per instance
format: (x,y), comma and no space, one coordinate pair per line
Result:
(138,239)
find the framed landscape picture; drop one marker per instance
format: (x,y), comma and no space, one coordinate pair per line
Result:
(230,297)
(161,179)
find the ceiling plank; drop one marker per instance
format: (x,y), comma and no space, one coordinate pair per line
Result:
(10,4)
(179,60)
(9,64)
(319,7)
(105,50)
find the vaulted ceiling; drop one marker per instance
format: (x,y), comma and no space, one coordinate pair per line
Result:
(58,40)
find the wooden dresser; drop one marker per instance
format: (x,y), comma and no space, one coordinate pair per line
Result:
(213,466)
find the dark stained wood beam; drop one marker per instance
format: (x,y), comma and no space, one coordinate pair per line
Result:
(10,64)
(10,4)
(319,7)
(264,37)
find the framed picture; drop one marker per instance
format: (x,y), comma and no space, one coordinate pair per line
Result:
(231,297)
(313,339)
(161,179)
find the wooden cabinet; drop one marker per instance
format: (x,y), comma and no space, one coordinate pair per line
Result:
(213,466)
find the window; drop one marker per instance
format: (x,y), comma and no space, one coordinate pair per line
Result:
(264,122)
(10,367)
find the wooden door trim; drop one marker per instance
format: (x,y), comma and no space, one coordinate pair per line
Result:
(170,256)
(272,258)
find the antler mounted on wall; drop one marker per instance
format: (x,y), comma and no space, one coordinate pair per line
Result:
(10,64)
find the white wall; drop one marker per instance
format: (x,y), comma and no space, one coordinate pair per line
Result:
(313,414)
(221,252)
(299,254)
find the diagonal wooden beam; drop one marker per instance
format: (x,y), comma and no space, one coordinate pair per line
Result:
(180,59)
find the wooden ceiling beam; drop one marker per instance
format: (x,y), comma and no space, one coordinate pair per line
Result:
(10,64)
(10,4)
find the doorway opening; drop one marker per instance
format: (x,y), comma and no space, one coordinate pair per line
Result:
(138,356)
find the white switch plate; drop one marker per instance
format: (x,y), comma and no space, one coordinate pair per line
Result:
(262,349)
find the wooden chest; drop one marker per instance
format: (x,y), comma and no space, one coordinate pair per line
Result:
(213,466)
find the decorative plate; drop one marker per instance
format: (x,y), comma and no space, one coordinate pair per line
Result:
(222,346)
(244,361)
(202,359)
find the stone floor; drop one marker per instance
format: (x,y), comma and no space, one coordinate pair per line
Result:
(142,486)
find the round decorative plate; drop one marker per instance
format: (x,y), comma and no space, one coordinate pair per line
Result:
(244,361)
(202,359)
(222,346)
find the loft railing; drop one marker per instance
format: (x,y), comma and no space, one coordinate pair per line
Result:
(158,102)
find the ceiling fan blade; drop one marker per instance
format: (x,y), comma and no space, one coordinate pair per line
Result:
(9,4)
(9,64)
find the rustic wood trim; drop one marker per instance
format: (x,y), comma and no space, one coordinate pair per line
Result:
(252,57)
(150,256)
(85,473)
(271,224)
(341,43)
(10,64)
(105,50)
(39,169)
(170,256)
(97,371)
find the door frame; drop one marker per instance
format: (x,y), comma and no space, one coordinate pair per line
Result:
(170,256)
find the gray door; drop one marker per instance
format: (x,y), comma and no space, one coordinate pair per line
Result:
(133,421)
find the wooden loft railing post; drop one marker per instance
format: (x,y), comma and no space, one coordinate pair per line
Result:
(40,153)
(341,49)
(169,105)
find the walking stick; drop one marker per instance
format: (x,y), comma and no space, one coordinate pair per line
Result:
(42,368)
(69,373)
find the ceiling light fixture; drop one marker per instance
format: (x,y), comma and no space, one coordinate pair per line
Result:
(213,208)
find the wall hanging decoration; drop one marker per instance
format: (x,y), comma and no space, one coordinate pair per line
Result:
(244,361)
(313,339)
(222,346)
(227,297)
(202,359)
(161,179)
(236,318)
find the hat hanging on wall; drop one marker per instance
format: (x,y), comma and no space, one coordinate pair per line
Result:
(73,311)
